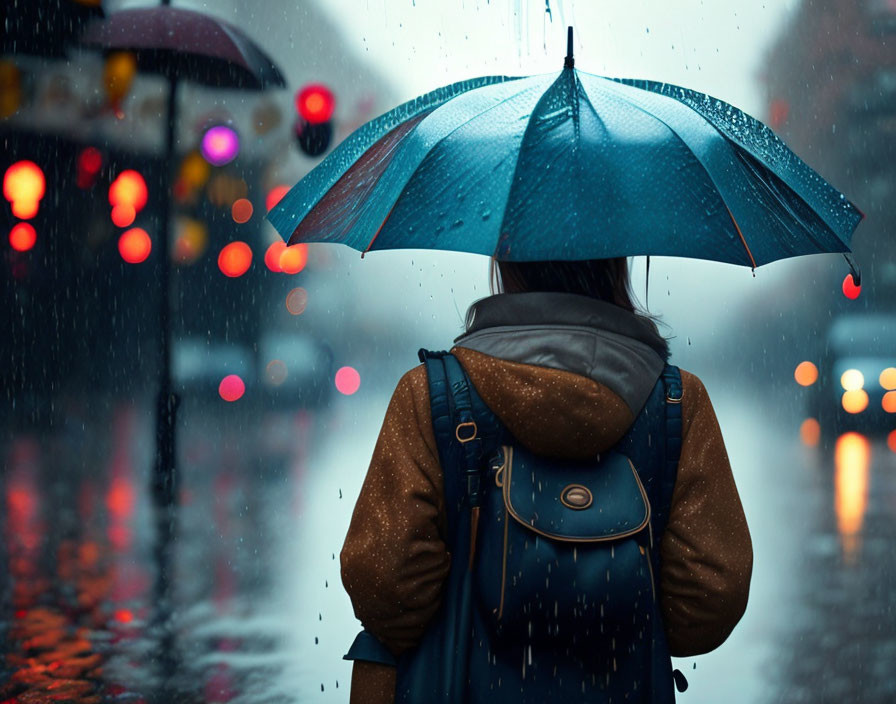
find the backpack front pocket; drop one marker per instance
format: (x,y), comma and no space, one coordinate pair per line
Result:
(565,550)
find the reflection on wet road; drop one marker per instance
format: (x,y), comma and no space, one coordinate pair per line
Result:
(257,612)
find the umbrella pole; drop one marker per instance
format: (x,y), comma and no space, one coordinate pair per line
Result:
(165,479)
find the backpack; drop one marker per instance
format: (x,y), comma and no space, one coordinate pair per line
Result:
(552,593)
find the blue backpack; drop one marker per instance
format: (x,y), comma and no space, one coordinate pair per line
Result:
(553,589)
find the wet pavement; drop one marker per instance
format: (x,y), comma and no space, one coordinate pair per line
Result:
(256,613)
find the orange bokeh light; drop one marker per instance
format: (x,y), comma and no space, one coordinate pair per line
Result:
(129,189)
(296,300)
(235,259)
(276,372)
(888,402)
(294,258)
(855,401)
(806,374)
(23,186)
(231,388)
(241,210)
(134,245)
(272,255)
(22,237)
(810,432)
(887,378)
(891,440)
(123,215)
(275,195)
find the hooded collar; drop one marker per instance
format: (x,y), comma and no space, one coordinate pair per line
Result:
(574,333)
(550,308)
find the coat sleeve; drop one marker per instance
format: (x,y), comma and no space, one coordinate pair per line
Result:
(394,560)
(706,552)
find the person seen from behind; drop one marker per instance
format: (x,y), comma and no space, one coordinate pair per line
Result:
(569,365)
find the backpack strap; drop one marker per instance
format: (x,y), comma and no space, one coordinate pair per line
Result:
(464,427)
(674,392)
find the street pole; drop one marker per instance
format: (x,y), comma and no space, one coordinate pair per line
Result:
(165,476)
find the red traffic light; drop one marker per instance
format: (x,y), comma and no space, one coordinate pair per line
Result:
(315,103)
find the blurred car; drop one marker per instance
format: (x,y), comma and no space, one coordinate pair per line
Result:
(856,388)
(294,369)
(199,367)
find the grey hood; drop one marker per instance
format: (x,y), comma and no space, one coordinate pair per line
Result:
(585,336)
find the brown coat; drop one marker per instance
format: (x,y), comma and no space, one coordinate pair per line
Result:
(394,560)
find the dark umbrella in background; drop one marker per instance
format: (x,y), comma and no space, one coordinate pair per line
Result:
(180,45)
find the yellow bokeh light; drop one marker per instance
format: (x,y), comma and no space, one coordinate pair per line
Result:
(855,401)
(852,380)
(852,460)
(888,402)
(805,374)
(888,378)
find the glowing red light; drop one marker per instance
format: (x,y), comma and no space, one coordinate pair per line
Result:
(235,259)
(850,289)
(891,440)
(123,215)
(90,161)
(124,616)
(22,237)
(231,388)
(23,186)
(272,256)
(134,245)
(120,498)
(348,381)
(315,103)
(294,258)
(129,189)
(778,112)
(241,210)
(275,195)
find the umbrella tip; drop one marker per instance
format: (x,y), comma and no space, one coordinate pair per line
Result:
(570,61)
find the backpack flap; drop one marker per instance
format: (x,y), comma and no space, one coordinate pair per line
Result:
(575,501)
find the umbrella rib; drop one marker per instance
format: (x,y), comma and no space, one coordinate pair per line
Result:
(430,150)
(370,244)
(628,99)
(743,241)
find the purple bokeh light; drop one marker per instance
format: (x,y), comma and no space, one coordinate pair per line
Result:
(220,145)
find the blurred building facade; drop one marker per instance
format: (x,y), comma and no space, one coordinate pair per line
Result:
(831,95)
(77,317)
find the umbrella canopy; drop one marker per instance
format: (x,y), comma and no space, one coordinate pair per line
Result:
(568,167)
(184,44)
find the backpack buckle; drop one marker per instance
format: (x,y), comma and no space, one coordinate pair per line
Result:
(674,399)
(468,424)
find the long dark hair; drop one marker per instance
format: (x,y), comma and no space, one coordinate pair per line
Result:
(604,279)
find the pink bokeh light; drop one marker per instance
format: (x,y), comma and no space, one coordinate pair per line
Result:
(348,381)
(220,145)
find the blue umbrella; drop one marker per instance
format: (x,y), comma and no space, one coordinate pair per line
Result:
(569,167)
